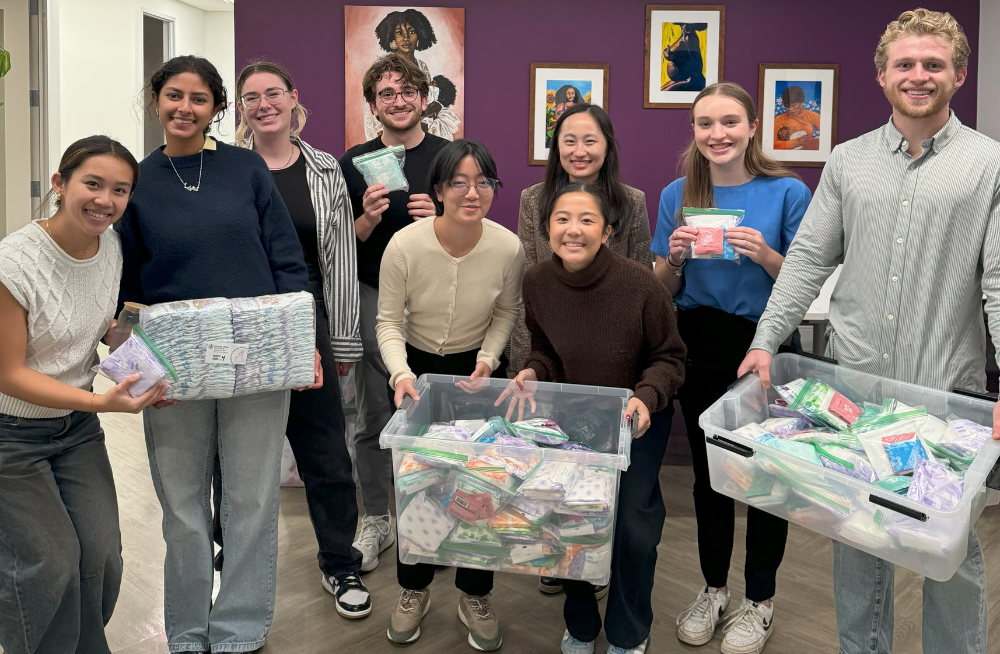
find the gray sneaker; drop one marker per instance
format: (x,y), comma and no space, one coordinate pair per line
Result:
(404,621)
(476,613)
(375,537)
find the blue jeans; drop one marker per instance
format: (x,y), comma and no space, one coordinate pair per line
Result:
(60,546)
(954,619)
(182,440)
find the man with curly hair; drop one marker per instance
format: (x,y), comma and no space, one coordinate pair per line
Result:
(913,208)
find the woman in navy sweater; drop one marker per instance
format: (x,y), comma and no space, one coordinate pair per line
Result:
(208,221)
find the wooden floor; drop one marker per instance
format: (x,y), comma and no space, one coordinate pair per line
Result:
(305,620)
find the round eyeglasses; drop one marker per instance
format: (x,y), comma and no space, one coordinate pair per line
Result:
(388,96)
(483,186)
(252,100)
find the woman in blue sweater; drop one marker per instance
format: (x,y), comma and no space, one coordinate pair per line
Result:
(719,305)
(207,221)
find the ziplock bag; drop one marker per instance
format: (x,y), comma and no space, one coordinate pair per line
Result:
(549,480)
(822,403)
(137,354)
(789,391)
(425,523)
(785,427)
(894,448)
(384,167)
(540,430)
(845,461)
(711,243)
(936,486)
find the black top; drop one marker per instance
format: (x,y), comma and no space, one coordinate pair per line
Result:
(397,216)
(294,189)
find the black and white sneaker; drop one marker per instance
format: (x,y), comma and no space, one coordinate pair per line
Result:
(353,599)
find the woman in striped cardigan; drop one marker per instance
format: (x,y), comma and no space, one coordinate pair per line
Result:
(312,185)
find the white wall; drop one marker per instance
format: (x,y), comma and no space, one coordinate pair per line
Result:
(15,119)
(95,64)
(988,100)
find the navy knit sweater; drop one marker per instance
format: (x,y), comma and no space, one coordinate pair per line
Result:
(233,238)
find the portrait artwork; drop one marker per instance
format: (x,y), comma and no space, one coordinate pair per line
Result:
(432,37)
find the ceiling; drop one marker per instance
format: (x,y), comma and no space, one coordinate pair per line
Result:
(210,5)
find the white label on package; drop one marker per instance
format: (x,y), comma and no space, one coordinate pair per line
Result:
(522,553)
(585,529)
(223,352)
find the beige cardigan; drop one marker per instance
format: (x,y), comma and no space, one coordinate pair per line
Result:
(633,242)
(444,305)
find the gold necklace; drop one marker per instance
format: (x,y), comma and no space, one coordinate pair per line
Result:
(45,226)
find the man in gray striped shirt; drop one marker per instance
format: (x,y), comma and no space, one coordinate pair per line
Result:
(914,209)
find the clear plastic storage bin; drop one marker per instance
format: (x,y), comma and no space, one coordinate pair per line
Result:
(880,522)
(468,496)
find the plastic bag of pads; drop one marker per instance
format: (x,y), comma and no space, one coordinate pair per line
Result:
(384,167)
(823,403)
(138,354)
(710,242)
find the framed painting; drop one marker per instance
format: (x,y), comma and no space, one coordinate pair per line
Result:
(432,37)
(798,112)
(684,52)
(555,88)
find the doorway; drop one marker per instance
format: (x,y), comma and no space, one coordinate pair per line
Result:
(157,46)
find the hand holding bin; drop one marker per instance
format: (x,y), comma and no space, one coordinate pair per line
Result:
(893,469)
(531,497)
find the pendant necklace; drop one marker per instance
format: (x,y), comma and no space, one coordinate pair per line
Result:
(188,187)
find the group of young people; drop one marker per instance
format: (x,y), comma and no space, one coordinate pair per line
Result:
(421,281)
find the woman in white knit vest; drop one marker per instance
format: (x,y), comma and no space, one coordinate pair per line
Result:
(60,546)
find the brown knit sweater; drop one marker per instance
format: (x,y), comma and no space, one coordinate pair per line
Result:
(611,324)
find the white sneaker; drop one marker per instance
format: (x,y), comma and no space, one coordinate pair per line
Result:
(571,645)
(640,649)
(375,537)
(748,629)
(696,625)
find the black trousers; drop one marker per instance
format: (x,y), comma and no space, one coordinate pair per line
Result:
(316,432)
(639,524)
(717,343)
(419,576)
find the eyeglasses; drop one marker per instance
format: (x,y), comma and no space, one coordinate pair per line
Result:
(274,96)
(483,187)
(388,96)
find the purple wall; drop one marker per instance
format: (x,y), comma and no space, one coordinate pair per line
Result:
(503,37)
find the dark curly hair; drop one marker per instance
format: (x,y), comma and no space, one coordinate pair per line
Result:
(204,69)
(447,93)
(385,31)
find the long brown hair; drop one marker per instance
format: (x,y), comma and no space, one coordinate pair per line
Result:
(698,183)
(299,113)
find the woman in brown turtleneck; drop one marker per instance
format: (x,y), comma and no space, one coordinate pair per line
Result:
(598,318)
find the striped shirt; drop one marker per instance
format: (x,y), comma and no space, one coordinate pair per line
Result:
(920,238)
(336,244)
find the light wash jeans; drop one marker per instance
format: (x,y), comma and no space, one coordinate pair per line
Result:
(954,620)
(181,441)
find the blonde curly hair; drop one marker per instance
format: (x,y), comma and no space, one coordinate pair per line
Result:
(924,21)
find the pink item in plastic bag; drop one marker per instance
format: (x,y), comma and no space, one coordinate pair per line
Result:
(709,240)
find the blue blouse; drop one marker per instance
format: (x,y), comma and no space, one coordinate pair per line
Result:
(774,206)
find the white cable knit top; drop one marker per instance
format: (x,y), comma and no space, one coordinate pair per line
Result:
(69,302)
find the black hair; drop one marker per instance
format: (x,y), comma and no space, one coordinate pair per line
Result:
(446,161)
(593,190)
(609,179)
(447,93)
(91,146)
(201,67)
(791,95)
(561,94)
(386,30)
